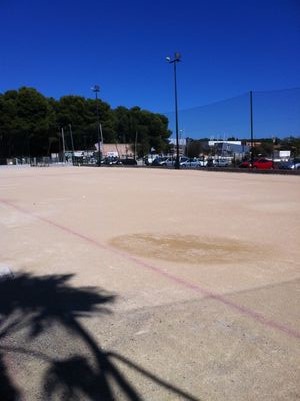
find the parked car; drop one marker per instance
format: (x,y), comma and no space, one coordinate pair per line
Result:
(216,163)
(296,164)
(260,164)
(245,164)
(148,160)
(293,164)
(192,163)
(91,160)
(159,161)
(210,163)
(128,162)
(221,162)
(263,164)
(168,162)
(183,161)
(110,161)
(202,162)
(285,165)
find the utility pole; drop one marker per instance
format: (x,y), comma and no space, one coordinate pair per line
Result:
(72,143)
(101,134)
(63,143)
(135,144)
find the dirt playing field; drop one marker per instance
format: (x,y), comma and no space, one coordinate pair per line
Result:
(149,284)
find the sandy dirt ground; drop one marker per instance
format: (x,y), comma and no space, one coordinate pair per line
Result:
(146,284)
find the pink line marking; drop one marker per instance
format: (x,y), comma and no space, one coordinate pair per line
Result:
(182,282)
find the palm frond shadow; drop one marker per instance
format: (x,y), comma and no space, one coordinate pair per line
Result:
(33,305)
(8,390)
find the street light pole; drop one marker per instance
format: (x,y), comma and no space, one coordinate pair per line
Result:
(63,143)
(251,129)
(174,61)
(96,89)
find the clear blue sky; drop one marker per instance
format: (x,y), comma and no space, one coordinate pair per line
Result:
(228,48)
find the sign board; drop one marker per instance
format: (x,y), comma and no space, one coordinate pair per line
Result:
(284,153)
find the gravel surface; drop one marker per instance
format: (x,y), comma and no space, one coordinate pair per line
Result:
(144,284)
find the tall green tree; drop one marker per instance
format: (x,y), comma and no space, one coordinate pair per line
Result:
(31,124)
(26,119)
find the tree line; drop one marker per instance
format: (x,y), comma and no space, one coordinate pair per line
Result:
(30,124)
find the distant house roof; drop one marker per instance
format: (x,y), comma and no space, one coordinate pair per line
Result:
(231,147)
(115,149)
(212,142)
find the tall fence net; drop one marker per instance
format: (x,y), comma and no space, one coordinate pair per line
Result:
(275,114)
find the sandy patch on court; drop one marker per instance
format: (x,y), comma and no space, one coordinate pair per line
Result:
(185,248)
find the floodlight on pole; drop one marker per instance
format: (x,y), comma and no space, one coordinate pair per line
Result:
(251,130)
(174,61)
(96,89)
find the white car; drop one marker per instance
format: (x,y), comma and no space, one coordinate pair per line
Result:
(192,163)
(169,162)
(202,163)
(221,163)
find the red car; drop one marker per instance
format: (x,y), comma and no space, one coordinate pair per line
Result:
(245,164)
(261,164)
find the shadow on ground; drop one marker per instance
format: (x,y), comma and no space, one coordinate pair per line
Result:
(34,306)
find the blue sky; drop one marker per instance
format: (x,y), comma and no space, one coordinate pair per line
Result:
(228,48)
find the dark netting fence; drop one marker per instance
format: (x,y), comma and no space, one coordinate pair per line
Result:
(275,114)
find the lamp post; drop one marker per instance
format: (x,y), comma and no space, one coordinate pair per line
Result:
(174,61)
(96,89)
(251,129)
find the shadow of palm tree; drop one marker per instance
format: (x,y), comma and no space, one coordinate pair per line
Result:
(32,306)
(40,301)
(8,390)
